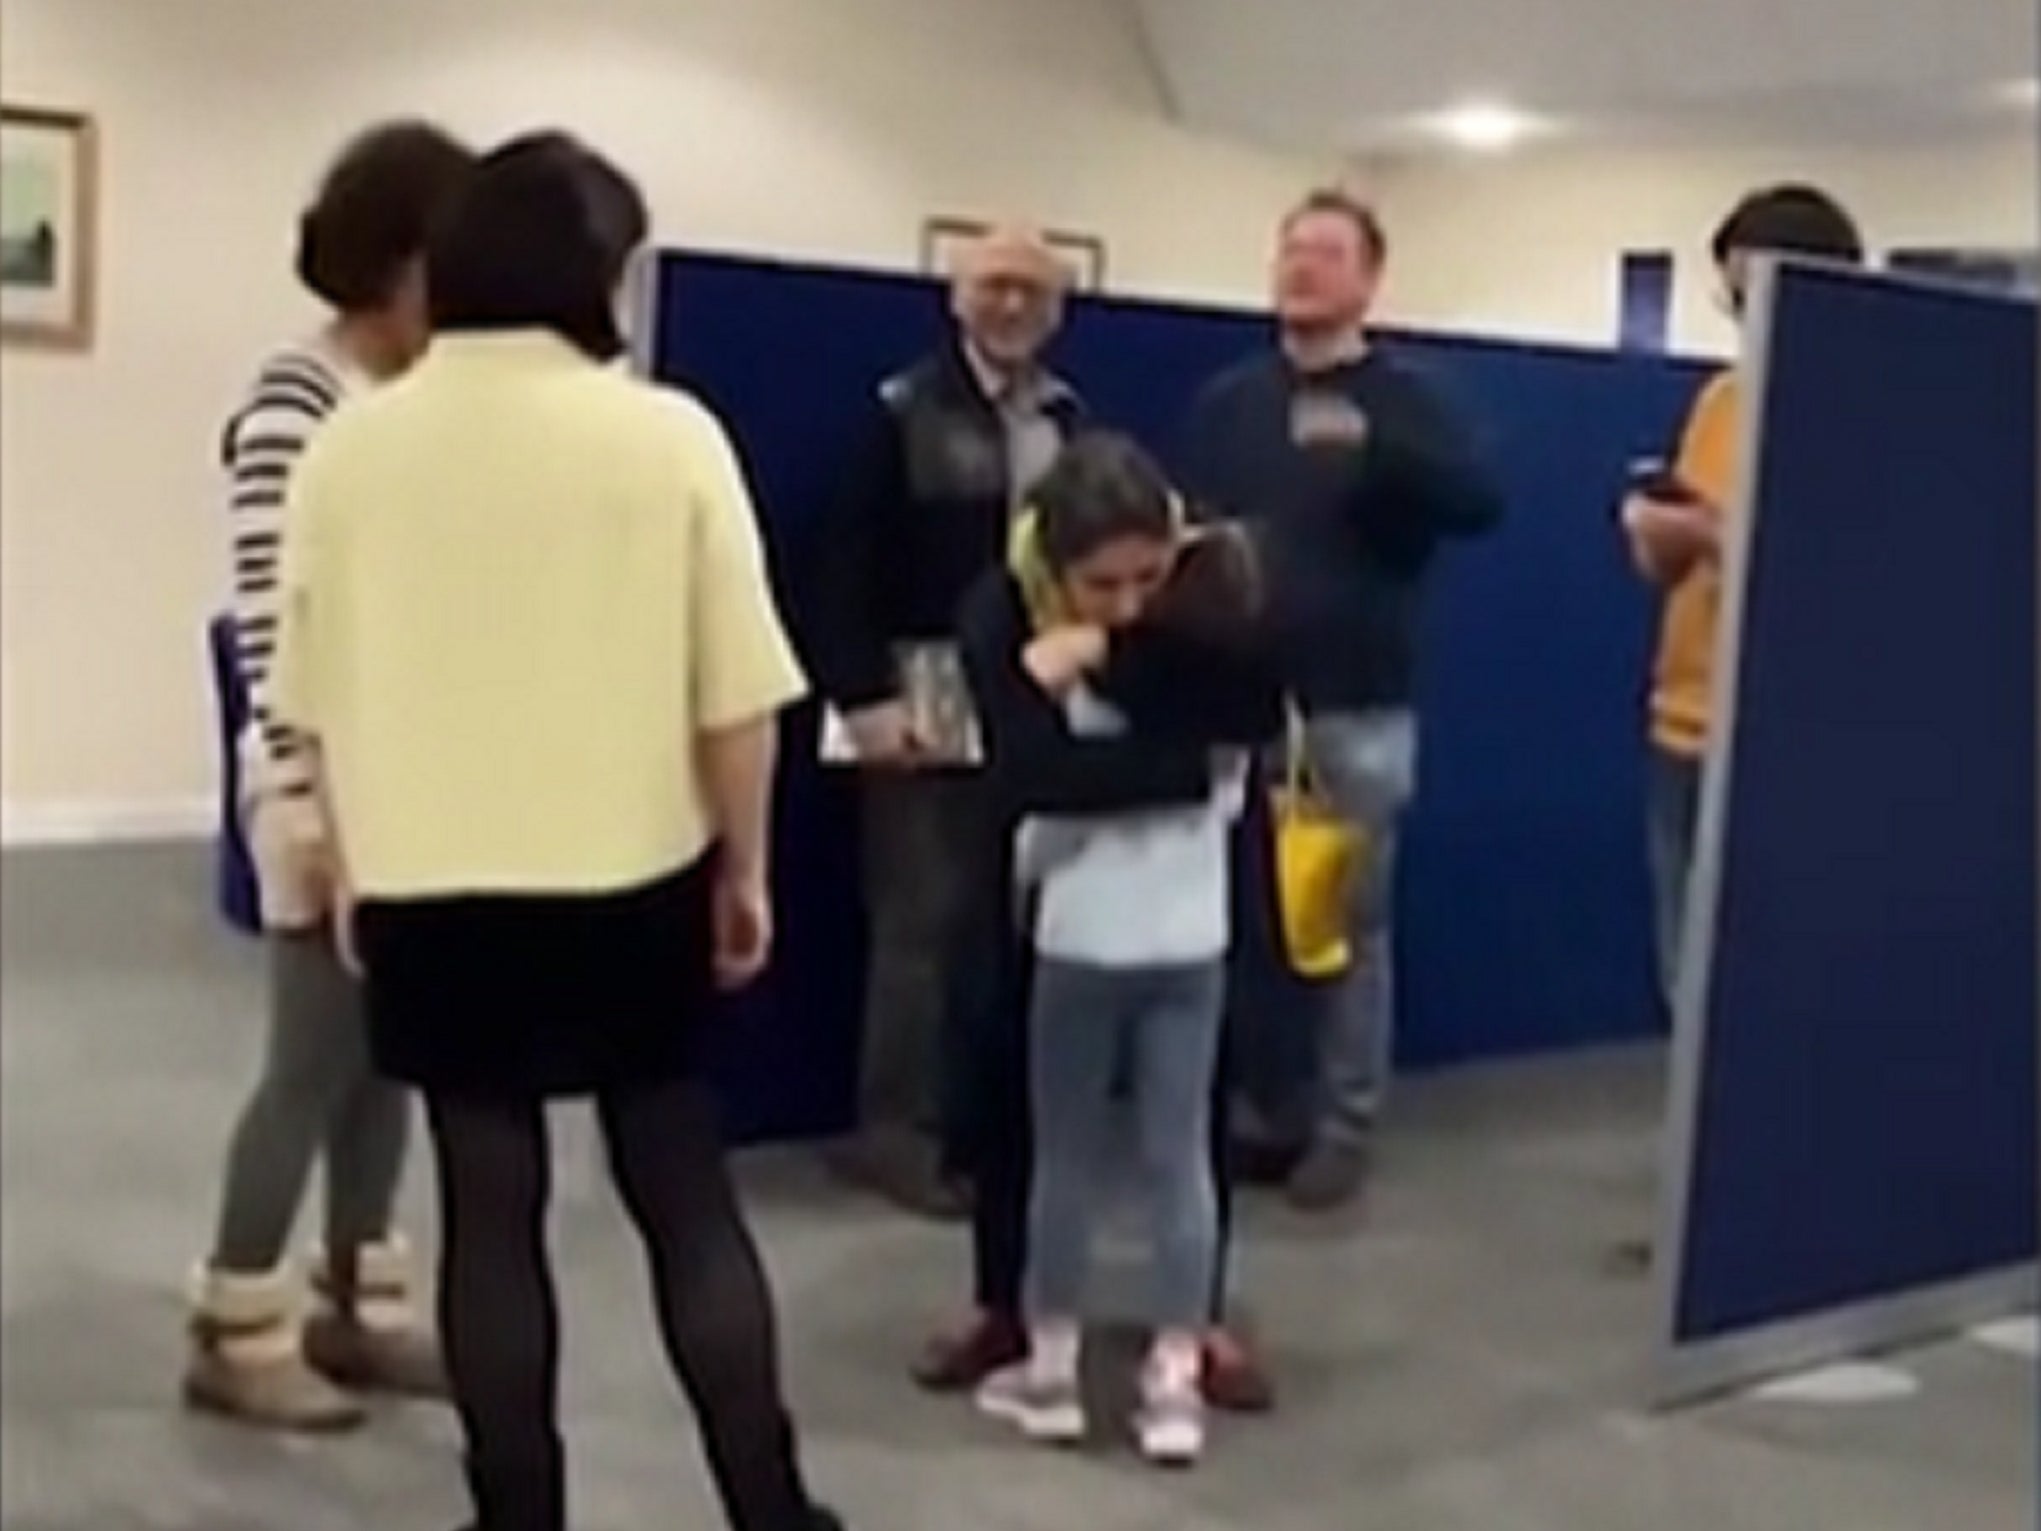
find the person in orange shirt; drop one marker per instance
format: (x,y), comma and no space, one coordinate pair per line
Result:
(1675,525)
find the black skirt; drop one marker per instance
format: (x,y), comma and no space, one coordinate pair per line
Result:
(541,995)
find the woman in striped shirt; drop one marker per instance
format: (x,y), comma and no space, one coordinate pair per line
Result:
(254,1355)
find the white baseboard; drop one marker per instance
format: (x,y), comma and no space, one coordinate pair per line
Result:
(61,822)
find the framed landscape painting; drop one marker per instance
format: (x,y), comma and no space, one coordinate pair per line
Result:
(49,171)
(1084,255)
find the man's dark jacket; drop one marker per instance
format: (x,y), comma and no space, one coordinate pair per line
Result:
(923,512)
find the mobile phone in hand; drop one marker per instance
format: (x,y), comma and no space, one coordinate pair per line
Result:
(1654,479)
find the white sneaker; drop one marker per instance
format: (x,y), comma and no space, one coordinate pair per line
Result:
(1047,1408)
(1171,1423)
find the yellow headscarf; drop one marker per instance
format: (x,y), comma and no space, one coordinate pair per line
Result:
(1041,591)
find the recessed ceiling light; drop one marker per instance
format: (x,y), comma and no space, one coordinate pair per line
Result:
(1485,126)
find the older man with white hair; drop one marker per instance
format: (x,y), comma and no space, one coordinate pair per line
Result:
(953,445)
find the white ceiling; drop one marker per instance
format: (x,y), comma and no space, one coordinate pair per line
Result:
(1364,75)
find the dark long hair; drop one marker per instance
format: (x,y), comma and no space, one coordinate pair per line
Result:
(1214,592)
(1101,488)
(540,240)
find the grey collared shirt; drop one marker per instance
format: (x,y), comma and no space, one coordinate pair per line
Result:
(1025,405)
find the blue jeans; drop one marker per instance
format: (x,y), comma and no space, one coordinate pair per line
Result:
(1158,1029)
(1314,1056)
(1367,764)
(1674,810)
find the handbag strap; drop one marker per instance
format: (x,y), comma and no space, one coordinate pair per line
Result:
(1300,779)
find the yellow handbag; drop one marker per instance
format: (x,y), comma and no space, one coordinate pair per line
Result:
(1318,857)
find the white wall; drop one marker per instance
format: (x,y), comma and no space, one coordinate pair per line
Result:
(822,129)
(1527,245)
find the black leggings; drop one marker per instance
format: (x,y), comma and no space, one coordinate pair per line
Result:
(499,1316)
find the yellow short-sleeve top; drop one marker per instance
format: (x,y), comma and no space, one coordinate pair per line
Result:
(1683,681)
(518,586)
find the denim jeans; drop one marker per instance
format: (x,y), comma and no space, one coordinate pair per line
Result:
(1158,1028)
(1367,764)
(1674,810)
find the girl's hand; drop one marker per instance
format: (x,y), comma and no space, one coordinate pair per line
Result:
(1059,658)
(328,873)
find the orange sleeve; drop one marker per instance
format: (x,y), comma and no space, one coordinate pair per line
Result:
(1712,442)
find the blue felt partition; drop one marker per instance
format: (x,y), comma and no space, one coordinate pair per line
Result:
(1854,1144)
(1525,922)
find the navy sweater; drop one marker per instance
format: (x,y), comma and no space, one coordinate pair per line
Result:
(1348,479)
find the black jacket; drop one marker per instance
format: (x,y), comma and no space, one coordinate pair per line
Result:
(1181,698)
(923,513)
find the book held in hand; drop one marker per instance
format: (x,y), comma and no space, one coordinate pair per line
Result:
(939,708)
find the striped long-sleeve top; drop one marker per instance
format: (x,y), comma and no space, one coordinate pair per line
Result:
(292,396)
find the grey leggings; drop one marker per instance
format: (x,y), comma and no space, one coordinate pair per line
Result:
(318,1093)
(1158,1030)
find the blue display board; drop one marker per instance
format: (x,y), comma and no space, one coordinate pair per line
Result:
(1525,904)
(1855,1135)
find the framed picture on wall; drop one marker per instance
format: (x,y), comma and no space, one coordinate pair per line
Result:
(943,239)
(49,190)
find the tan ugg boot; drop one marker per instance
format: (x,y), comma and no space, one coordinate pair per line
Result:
(247,1359)
(372,1340)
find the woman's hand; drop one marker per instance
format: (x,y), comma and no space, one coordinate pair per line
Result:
(325,874)
(1060,658)
(346,941)
(743,928)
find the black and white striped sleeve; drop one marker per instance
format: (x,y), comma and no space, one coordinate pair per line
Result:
(293,395)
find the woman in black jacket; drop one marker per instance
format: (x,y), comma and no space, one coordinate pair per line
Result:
(1126,569)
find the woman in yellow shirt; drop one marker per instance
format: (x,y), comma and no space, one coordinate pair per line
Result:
(528,631)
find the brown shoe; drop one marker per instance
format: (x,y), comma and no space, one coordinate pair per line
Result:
(246,1360)
(952,1200)
(1234,1379)
(903,1167)
(957,1360)
(403,1363)
(1330,1176)
(373,1341)
(1267,1166)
